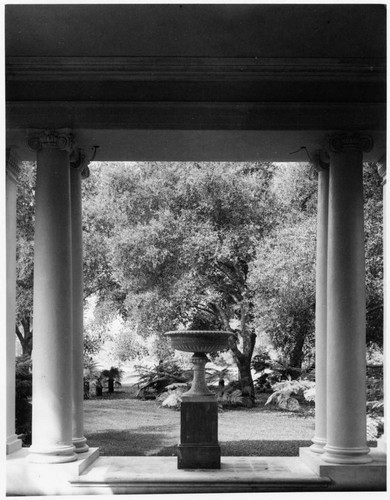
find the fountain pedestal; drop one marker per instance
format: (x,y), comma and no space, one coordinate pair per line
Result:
(199,447)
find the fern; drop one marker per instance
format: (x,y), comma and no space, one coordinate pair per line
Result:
(172,397)
(233,398)
(373,425)
(282,395)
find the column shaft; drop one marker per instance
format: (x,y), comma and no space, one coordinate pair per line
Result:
(13,443)
(52,386)
(79,440)
(346,343)
(319,438)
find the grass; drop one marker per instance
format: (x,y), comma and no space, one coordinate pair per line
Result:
(122,425)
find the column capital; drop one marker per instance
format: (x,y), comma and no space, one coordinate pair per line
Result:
(61,139)
(381,166)
(320,160)
(339,142)
(12,164)
(80,162)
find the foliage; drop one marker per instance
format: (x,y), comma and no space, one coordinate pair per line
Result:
(231,397)
(128,341)
(284,390)
(275,369)
(184,236)
(283,273)
(23,393)
(91,369)
(152,381)
(374,426)
(112,376)
(304,388)
(91,374)
(167,381)
(261,361)
(283,279)
(374,354)
(171,396)
(92,344)
(373,221)
(25,220)
(375,401)
(226,397)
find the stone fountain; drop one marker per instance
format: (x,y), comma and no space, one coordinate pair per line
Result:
(199,447)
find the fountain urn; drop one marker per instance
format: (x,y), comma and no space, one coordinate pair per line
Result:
(199,447)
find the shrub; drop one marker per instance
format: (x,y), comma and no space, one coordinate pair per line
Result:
(375,420)
(152,381)
(23,393)
(375,406)
(233,397)
(274,370)
(374,354)
(284,390)
(261,362)
(91,375)
(113,376)
(171,396)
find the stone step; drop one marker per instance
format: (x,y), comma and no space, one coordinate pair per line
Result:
(139,475)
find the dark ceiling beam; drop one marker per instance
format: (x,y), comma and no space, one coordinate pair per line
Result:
(196,115)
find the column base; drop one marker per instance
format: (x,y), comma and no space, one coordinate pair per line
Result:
(318,445)
(80,445)
(13,444)
(52,455)
(199,456)
(347,477)
(338,455)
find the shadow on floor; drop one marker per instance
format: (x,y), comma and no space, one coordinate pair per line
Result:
(161,441)
(141,442)
(247,448)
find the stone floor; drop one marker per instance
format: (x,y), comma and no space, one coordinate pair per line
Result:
(138,475)
(94,475)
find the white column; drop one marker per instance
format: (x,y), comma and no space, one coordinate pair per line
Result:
(319,439)
(13,443)
(346,340)
(78,169)
(52,350)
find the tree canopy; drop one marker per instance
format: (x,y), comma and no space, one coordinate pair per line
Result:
(183,240)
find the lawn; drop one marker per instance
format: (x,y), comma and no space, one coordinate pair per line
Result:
(123,425)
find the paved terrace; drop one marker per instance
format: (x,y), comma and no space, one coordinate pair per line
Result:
(94,475)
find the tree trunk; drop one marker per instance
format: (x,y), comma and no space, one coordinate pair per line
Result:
(110,385)
(246,380)
(24,333)
(296,356)
(243,360)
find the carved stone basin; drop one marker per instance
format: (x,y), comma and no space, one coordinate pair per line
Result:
(198,341)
